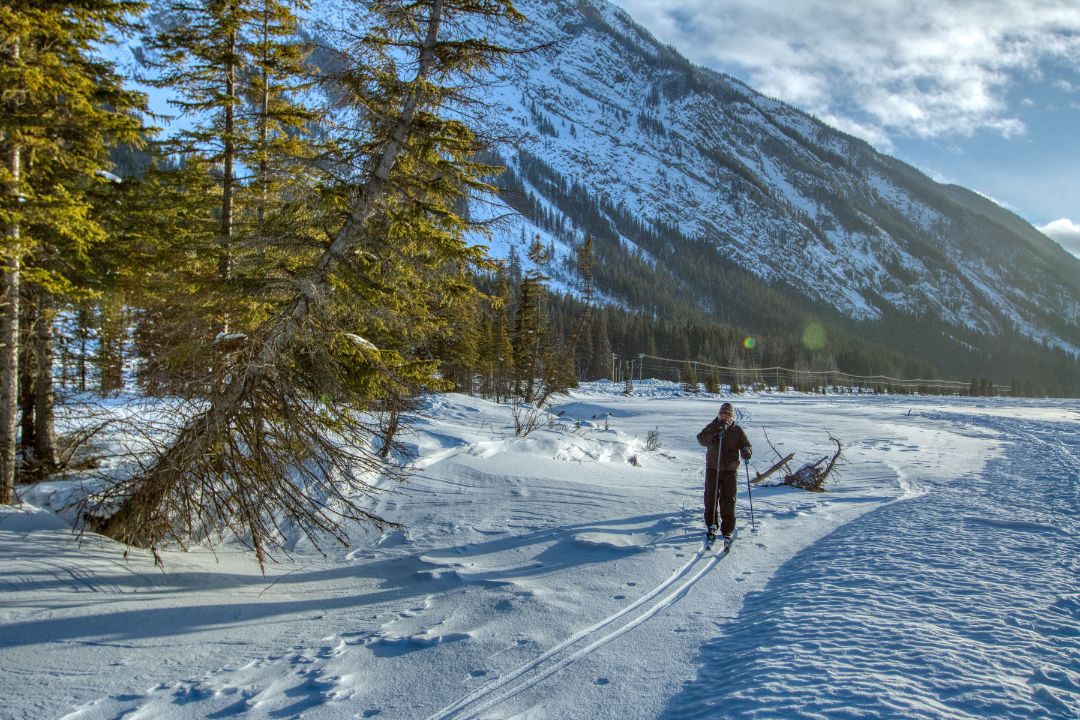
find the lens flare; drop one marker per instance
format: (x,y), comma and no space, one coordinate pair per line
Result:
(749,343)
(813,337)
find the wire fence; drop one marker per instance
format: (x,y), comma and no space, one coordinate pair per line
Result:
(642,366)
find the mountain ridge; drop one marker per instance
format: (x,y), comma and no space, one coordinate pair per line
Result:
(625,119)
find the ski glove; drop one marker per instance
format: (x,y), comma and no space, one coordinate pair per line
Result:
(745,453)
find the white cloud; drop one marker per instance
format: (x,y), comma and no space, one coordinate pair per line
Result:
(1065,232)
(922,68)
(870,133)
(1065,85)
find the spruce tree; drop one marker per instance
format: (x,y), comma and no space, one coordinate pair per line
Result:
(500,352)
(584,266)
(200,58)
(602,349)
(712,382)
(283,434)
(277,77)
(237,70)
(543,358)
(63,106)
(690,378)
(530,336)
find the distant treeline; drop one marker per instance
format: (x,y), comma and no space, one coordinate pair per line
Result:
(679,297)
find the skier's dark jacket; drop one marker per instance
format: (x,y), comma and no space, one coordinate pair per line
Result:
(727,448)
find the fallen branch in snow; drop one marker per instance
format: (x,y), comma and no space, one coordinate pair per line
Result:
(811,477)
(781,463)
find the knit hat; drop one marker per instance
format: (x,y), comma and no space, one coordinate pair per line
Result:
(728,408)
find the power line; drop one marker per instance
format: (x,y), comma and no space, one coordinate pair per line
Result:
(672,368)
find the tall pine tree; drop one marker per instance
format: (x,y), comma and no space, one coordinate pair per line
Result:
(63,106)
(240,78)
(383,248)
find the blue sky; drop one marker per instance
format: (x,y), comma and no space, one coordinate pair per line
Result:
(981,93)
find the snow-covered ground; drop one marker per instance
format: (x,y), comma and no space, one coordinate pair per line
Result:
(561,575)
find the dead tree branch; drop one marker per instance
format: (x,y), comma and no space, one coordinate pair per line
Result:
(781,463)
(810,476)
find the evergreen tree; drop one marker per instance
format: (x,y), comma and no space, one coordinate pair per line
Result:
(277,77)
(381,251)
(501,352)
(199,57)
(712,382)
(584,263)
(602,348)
(690,380)
(237,69)
(457,343)
(62,108)
(513,263)
(530,336)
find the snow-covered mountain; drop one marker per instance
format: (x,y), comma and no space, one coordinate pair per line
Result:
(628,141)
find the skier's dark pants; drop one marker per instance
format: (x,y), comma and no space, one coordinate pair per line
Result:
(720,491)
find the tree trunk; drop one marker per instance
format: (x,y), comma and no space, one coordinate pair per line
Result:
(44,418)
(782,462)
(84,335)
(225,259)
(9,339)
(264,127)
(111,348)
(26,383)
(9,322)
(136,521)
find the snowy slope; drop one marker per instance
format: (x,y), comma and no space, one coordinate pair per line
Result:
(607,108)
(561,576)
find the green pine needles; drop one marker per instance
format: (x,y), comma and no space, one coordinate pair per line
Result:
(344,263)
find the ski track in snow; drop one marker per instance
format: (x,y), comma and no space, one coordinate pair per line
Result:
(963,603)
(537,670)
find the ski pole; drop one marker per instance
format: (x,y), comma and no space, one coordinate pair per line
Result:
(753,525)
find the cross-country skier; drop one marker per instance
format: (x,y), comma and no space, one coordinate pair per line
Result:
(726,442)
